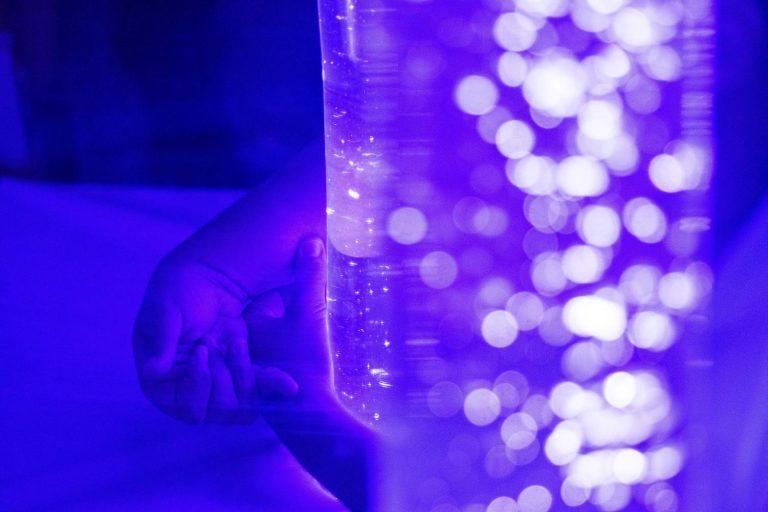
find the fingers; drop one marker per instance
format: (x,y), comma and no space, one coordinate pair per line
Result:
(264,312)
(194,388)
(310,282)
(275,383)
(265,319)
(223,402)
(239,362)
(155,337)
(269,305)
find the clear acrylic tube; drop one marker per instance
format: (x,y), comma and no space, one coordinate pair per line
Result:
(517,219)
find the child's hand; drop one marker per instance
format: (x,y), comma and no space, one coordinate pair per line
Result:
(288,326)
(191,347)
(289,329)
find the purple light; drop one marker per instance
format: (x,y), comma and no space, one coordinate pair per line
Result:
(517,200)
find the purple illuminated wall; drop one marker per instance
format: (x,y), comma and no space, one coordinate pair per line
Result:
(518,211)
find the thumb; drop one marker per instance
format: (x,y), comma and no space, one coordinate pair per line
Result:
(310,281)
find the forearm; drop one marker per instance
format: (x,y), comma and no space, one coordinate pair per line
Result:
(252,243)
(336,449)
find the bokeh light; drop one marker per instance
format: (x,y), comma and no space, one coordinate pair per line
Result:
(476,95)
(549,255)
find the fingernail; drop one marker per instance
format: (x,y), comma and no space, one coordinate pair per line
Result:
(311,248)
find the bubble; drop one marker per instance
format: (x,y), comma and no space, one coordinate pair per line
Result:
(470,214)
(620,389)
(533,174)
(496,224)
(624,156)
(660,497)
(535,498)
(582,361)
(502,504)
(685,235)
(677,290)
(515,139)
(616,353)
(564,443)
(445,399)
(567,400)
(579,176)
(476,95)
(583,264)
(547,214)
(612,497)
(547,274)
(606,6)
(497,464)
(663,63)
(488,124)
(512,69)
(499,328)
(514,31)
(665,463)
(527,309)
(696,161)
(629,466)
(494,291)
(544,8)
(642,95)
(633,29)
(638,283)
(594,148)
(613,62)
(594,316)
(526,455)
(537,407)
(651,330)
(598,225)
(544,120)
(438,270)
(536,243)
(668,174)
(592,469)
(424,62)
(600,119)
(589,19)
(552,330)
(512,388)
(407,225)
(556,86)
(482,407)
(572,493)
(518,430)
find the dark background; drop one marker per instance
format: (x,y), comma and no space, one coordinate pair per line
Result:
(220,93)
(186,93)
